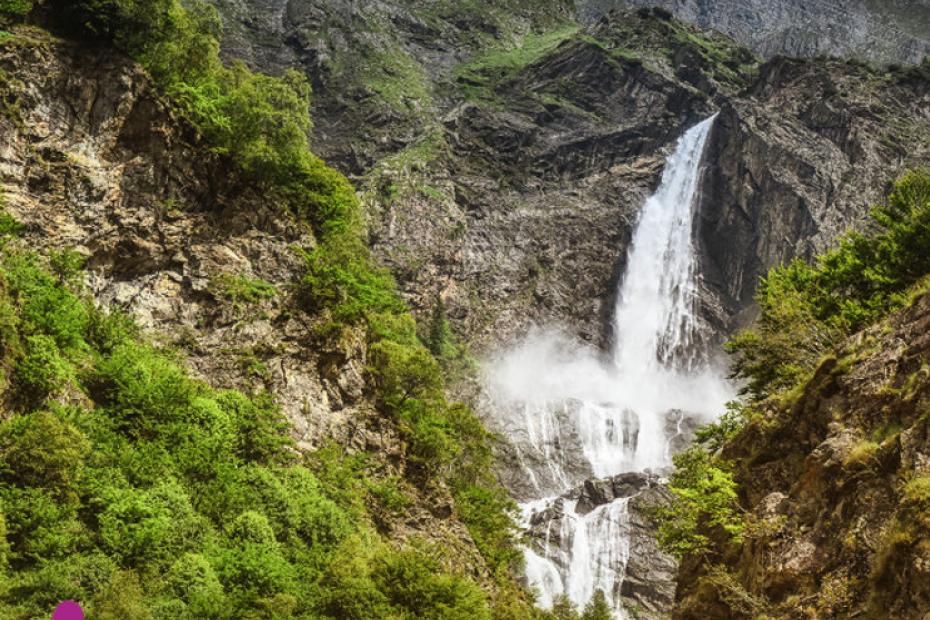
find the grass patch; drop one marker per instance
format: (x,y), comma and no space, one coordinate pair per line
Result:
(477,76)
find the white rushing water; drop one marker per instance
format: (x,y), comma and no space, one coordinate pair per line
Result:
(572,415)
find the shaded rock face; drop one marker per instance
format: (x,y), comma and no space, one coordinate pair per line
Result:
(831,482)
(93,159)
(876,30)
(796,161)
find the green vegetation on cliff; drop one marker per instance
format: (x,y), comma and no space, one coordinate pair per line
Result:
(128,485)
(188,502)
(805,311)
(822,446)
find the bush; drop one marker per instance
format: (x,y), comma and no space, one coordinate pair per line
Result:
(704,504)
(43,371)
(15,7)
(416,584)
(192,580)
(121,599)
(39,450)
(150,527)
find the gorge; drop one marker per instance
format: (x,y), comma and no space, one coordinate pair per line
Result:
(389,309)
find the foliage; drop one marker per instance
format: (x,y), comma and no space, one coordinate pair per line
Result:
(162,441)
(15,7)
(159,496)
(242,289)
(713,436)
(259,121)
(704,504)
(496,65)
(806,309)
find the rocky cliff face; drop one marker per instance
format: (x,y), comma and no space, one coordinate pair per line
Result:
(504,155)
(503,174)
(797,159)
(837,484)
(95,160)
(876,30)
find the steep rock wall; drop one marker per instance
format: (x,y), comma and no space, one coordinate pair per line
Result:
(839,531)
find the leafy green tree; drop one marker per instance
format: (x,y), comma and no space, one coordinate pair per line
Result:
(563,609)
(704,503)
(121,599)
(806,309)
(192,580)
(15,7)
(416,584)
(43,370)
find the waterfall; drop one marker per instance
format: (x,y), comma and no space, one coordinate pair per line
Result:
(571,416)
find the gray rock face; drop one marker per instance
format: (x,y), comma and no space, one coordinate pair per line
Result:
(511,193)
(796,161)
(877,30)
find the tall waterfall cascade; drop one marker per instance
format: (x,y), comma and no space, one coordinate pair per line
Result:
(573,415)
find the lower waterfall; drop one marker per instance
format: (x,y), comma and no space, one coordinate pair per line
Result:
(573,416)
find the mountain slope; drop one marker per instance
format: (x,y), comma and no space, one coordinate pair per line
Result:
(874,30)
(100,170)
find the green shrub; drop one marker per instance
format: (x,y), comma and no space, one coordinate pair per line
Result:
(45,307)
(122,598)
(144,387)
(40,450)
(415,583)
(15,7)
(192,580)
(704,503)
(43,370)
(150,527)
(241,289)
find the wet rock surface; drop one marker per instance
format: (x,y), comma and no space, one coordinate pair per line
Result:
(648,585)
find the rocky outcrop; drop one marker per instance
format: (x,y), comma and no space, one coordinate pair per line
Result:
(506,179)
(836,483)
(881,31)
(796,161)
